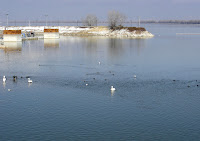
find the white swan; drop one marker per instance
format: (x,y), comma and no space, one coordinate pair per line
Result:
(4,78)
(134,76)
(99,63)
(112,88)
(29,80)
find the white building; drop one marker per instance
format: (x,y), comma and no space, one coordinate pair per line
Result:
(51,34)
(12,36)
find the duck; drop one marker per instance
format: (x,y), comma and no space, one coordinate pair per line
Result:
(134,76)
(112,88)
(99,63)
(86,84)
(14,78)
(4,78)
(29,80)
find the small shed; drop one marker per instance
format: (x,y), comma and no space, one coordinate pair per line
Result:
(51,34)
(12,36)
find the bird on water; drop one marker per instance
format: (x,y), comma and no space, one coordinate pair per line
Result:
(29,80)
(4,78)
(112,88)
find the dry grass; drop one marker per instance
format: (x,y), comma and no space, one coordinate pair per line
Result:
(135,29)
(130,29)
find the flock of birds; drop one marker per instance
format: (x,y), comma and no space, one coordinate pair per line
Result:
(112,87)
(30,81)
(15,78)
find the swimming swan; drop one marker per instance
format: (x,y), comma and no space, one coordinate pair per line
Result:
(4,78)
(112,88)
(29,80)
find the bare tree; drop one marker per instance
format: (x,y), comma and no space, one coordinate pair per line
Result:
(90,20)
(115,18)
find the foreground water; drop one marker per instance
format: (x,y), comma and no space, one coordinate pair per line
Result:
(162,103)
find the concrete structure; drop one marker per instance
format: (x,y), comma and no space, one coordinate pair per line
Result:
(51,34)
(12,36)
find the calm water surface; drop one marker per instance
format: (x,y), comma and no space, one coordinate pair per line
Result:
(59,106)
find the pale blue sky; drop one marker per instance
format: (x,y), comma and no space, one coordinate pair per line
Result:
(76,9)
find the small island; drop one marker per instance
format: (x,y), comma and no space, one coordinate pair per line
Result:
(130,32)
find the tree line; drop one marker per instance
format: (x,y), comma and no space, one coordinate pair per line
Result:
(114,19)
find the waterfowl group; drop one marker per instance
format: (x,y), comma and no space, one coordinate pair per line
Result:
(112,87)
(15,78)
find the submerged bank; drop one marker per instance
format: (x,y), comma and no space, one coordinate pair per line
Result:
(130,32)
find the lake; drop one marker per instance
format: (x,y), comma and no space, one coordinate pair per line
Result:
(161,103)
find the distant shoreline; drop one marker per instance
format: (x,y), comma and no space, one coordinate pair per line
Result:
(101,23)
(171,22)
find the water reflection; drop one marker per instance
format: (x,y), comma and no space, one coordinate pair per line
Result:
(4,85)
(29,84)
(90,45)
(51,43)
(12,46)
(137,45)
(91,42)
(112,93)
(118,48)
(115,49)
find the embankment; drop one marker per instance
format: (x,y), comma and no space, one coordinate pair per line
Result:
(131,32)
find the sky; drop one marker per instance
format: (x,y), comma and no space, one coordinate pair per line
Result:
(77,9)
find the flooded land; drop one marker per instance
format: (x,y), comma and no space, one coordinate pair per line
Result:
(157,83)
